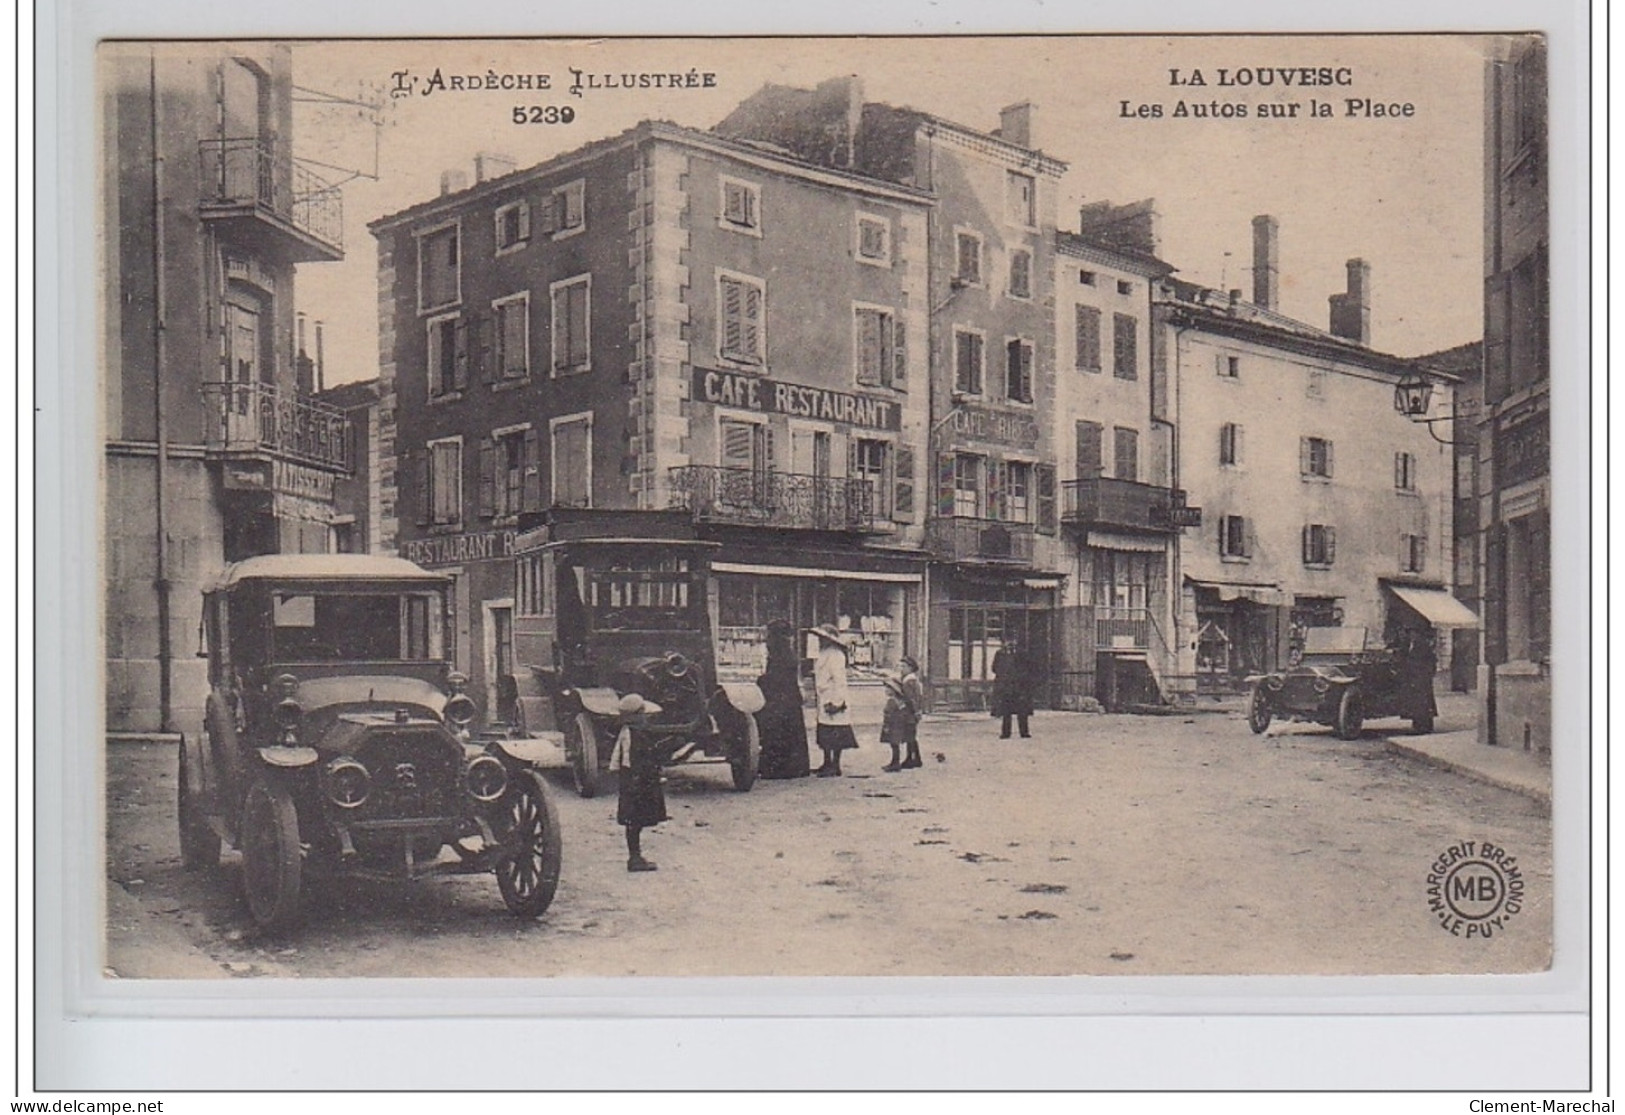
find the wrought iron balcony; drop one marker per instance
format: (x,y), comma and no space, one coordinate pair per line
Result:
(981,541)
(1109,503)
(1122,628)
(248,181)
(261,420)
(786,500)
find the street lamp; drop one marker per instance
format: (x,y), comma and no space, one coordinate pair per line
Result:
(1413,395)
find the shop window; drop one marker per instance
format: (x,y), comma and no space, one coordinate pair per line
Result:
(1125,347)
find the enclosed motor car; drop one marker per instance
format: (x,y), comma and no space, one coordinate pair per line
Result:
(337,740)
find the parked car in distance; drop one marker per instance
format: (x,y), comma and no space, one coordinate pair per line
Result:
(617,603)
(337,740)
(1342,681)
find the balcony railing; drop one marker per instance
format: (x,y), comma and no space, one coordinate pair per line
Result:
(765,498)
(1122,628)
(1125,504)
(248,174)
(260,419)
(981,541)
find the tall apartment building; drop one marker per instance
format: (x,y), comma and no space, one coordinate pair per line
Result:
(1121,508)
(215,449)
(987,311)
(1321,505)
(668,318)
(1514,432)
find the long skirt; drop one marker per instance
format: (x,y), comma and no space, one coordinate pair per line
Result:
(784,741)
(836,737)
(642,802)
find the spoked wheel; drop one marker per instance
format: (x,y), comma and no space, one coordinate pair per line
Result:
(271,856)
(1349,717)
(745,754)
(1258,712)
(584,762)
(200,844)
(528,870)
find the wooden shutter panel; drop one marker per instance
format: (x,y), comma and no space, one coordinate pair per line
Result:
(998,486)
(1088,449)
(532,481)
(1303,456)
(1305,546)
(1246,537)
(524,220)
(733,311)
(902,504)
(1328,444)
(899,355)
(738,445)
(869,347)
(945,484)
(561,329)
(1044,481)
(579,343)
(425,485)
(751,326)
(459,367)
(488,472)
(549,214)
(1331,545)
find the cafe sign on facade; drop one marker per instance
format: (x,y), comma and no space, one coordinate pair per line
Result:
(798,400)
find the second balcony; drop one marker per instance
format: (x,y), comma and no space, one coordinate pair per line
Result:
(251,185)
(779,500)
(1109,503)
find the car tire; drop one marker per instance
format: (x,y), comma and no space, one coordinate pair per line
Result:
(1258,712)
(528,870)
(1349,717)
(584,755)
(745,754)
(1421,725)
(200,844)
(272,862)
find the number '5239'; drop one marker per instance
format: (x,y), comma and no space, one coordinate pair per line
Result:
(543,114)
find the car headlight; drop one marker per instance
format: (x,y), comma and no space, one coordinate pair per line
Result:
(1322,686)
(460,710)
(348,782)
(676,665)
(485,778)
(1274,681)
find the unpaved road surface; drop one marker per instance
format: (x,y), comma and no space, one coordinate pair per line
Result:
(1105,845)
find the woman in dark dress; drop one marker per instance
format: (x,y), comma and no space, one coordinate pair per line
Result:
(780,722)
(640,754)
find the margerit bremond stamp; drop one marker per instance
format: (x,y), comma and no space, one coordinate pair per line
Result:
(1474,888)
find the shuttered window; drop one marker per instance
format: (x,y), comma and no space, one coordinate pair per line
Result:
(1235,537)
(968,258)
(1315,456)
(448,356)
(445,482)
(968,362)
(439,269)
(512,329)
(1021,274)
(1125,453)
(741,328)
(572,462)
(572,319)
(512,226)
(1018,377)
(1088,339)
(1089,438)
(1230,444)
(1319,544)
(741,204)
(880,356)
(1125,347)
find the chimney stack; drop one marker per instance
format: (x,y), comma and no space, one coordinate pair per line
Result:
(1132,227)
(488,165)
(1266,262)
(1351,310)
(453,181)
(1018,124)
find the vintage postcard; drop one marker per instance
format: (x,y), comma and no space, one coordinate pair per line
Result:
(935,506)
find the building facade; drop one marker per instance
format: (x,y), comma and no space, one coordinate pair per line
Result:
(214,448)
(1514,430)
(665,319)
(1317,497)
(988,318)
(1121,507)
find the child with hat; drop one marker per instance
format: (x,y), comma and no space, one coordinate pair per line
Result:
(834,712)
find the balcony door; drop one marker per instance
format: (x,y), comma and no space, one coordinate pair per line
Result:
(745,454)
(813,455)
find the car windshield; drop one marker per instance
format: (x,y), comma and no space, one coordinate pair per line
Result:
(384,626)
(1334,640)
(646,595)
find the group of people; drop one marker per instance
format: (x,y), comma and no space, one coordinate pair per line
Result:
(783,729)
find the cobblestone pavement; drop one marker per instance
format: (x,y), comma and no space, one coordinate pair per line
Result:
(1104,845)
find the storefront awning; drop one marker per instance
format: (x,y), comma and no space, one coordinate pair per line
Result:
(1436,606)
(821,574)
(1108,540)
(1268,595)
(1041,584)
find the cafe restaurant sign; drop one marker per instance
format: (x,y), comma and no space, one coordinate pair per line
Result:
(994,425)
(455,549)
(754,392)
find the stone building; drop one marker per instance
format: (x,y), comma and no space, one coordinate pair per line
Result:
(215,449)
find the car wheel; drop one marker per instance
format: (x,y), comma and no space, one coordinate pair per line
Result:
(200,844)
(528,869)
(271,855)
(584,757)
(745,754)
(1258,712)
(1421,725)
(1349,718)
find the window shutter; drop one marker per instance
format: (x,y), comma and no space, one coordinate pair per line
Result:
(550,214)
(899,355)
(1088,340)
(1089,450)
(1307,545)
(1246,537)
(1303,456)
(1026,373)
(751,335)
(902,504)
(998,477)
(561,329)
(1331,545)
(460,364)
(738,445)
(425,486)
(532,480)
(1224,535)
(869,347)
(945,484)
(488,470)
(1328,444)
(1044,481)
(1399,471)
(579,342)
(524,220)
(1227,444)
(733,311)
(1220,366)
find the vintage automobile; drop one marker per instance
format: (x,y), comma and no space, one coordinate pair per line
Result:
(616,603)
(1341,681)
(337,741)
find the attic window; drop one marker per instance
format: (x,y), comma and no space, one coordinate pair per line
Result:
(1087,278)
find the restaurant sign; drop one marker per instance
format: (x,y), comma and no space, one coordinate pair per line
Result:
(455,549)
(754,392)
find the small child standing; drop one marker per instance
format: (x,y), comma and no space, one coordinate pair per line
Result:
(899,721)
(914,694)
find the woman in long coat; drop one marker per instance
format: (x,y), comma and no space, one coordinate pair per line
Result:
(784,732)
(834,710)
(1012,689)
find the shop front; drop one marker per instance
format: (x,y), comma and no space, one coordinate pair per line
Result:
(1241,629)
(975,613)
(479,612)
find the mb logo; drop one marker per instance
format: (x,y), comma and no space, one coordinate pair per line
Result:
(1475,890)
